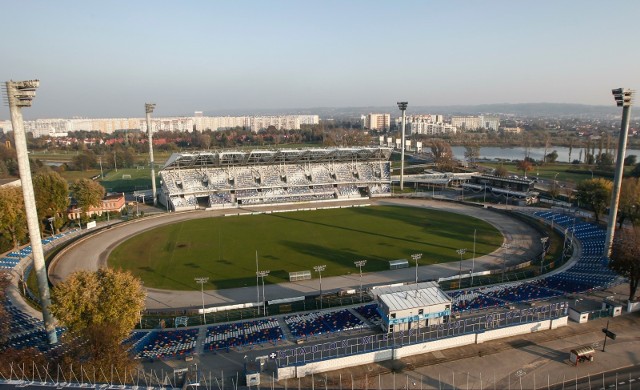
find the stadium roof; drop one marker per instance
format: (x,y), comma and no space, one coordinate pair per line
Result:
(418,298)
(208,159)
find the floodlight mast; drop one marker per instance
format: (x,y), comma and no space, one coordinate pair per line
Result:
(624,99)
(149,107)
(360,264)
(403,107)
(319,269)
(20,94)
(201,281)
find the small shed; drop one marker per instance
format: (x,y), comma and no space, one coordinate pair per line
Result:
(397,264)
(581,354)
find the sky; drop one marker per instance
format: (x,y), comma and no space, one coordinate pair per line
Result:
(107,58)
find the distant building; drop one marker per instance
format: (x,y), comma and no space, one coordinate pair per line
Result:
(111,203)
(512,130)
(376,121)
(475,122)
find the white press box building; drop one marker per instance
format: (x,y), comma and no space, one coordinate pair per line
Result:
(412,306)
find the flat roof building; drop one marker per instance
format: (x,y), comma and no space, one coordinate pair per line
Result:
(412,306)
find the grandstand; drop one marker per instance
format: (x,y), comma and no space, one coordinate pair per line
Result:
(235,178)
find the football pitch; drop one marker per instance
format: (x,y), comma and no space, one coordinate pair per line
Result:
(225,248)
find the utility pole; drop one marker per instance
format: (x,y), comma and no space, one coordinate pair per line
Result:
(149,109)
(20,94)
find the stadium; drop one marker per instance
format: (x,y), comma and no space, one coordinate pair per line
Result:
(292,330)
(237,178)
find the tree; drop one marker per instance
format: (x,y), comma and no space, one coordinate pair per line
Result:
(13,220)
(551,157)
(501,171)
(524,166)
(595,193)
(442,154)
(629,203)
(52,197)
(87,193)
(636,171)
(471,152)
(85,160)
(101,308)
(625,257)
(604,160)
(630,160)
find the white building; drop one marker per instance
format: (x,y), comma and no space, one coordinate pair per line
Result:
(476,122)
(412,306)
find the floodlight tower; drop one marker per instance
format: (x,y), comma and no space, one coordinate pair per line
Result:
(201,281)
(403,107)
(319,269)
(461,252)
(416,257)
(624,99)
(360,264)
(149,107)
(262,274)
(20,94)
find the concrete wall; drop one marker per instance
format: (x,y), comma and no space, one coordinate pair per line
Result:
(436,345)
(415,349)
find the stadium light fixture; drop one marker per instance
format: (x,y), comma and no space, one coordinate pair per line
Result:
(416,257)
(20,94)
(360,264)
(624,99)
(201,281)
(262,274)
(403,107)
(149,107)
(461,252)
(319,269)
(505,246)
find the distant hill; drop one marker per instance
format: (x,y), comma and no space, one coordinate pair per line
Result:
(531,110)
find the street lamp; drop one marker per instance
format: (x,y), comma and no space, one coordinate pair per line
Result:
(360,264)
(460,252)
(149,107)
(543,241)
(319,269)
(416,257)
(201,281)
(506,247)
(19,94)
(262,274)
(403,107)
(624,99)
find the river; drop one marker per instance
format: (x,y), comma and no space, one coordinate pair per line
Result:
(518,153)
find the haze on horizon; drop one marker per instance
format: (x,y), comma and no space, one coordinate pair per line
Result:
(106,59)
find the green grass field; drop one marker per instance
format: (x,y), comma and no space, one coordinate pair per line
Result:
(224,248)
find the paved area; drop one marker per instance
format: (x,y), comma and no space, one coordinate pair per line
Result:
(92,252)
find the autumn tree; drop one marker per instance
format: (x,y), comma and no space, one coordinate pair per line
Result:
(629,203)
(625,257)
(13,220)
(87,193)
(595,193)
(52,197)
(524,166)
(100,309)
